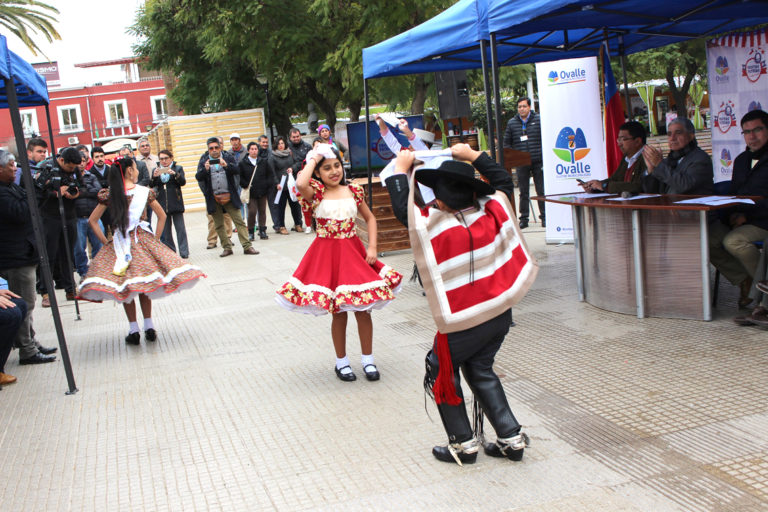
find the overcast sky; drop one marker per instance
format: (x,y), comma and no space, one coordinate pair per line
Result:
(91,30)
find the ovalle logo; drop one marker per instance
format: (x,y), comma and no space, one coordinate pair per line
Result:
(567,77)
(571,147)
(755,65)
(725,162)
(721,69)
(725,119)
(552,77)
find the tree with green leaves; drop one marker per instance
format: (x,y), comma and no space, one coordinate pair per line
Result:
(307,50)
(20,17)
(673,62)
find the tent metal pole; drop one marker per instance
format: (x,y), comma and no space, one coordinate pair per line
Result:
(497,101)
(623,60)
(487,87)
(368,144)
(50,129)
(18,130)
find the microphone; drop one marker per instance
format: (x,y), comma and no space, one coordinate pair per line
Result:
(627,194)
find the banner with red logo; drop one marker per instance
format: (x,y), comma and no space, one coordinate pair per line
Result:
(572,145)
(738,83)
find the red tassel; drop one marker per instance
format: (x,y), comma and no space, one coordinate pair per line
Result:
(444,388)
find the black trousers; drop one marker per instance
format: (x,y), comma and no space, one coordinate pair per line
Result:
(57,252)
(10,322)
(524,175)
(473,351)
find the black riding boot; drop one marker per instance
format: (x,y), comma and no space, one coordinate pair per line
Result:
(263,233)
(490,394)
(462,446)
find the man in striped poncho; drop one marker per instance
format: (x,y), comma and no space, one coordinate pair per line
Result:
(475,266)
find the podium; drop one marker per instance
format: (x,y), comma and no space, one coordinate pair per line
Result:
(391,234)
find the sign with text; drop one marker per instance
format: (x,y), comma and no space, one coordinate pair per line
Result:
(49,71)
(572,144)
(738,83)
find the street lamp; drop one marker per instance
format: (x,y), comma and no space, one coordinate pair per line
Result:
(265,84)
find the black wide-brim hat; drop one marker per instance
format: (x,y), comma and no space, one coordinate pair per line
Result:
(452,170)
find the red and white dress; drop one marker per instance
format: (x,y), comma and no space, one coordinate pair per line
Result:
(137,263)
(333,276)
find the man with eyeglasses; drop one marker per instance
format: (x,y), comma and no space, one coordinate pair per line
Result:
(218,180)
(628,177)
(731,237)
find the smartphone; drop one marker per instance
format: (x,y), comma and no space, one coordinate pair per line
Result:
(580,182)
(213,161)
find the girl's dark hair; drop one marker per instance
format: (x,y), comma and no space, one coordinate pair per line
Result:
(316,174)
(118,201)
(277,142)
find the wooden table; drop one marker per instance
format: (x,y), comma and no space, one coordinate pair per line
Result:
(391,234)
(646,256)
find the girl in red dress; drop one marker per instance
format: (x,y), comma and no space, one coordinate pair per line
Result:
(337,273)
(135,262)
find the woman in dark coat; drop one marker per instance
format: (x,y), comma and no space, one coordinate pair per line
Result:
(282,162)
(167,180)
(258,177)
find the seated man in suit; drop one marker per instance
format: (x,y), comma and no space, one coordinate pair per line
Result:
(732,235)
(628,177)
(686,170)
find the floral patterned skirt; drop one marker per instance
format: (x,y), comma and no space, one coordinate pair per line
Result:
(334,277)
(155,271)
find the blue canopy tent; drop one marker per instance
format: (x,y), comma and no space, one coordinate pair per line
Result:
(542,30)
(24,87)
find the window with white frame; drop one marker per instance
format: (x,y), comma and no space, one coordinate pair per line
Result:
(69,118)
(29,123)
(116,113)
(159,107)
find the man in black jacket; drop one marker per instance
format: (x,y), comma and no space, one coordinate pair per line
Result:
(523,133)
(18,258)
(167,180)
(58,176)
(732,236)
(219,180)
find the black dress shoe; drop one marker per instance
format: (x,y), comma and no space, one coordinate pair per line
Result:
(346,377)
(465,455)
(523,224)
(150,335)
(373,373)
(511,447)
(47,350)
(38,358)
(133,339)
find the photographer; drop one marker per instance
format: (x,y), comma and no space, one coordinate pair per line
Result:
(167,180)
(58,178)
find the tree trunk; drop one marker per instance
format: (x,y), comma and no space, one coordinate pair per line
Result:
(354,110)
(169,81)
(419,94)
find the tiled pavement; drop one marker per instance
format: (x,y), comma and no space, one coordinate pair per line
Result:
(236,407)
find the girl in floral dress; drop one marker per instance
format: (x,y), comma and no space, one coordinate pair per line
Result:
(337,273)
(135,263)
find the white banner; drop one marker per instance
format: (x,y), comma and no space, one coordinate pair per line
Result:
(738,83)
(571,135)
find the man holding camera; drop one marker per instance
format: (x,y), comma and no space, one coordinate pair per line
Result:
(218,180)
(93,182)
(58,184)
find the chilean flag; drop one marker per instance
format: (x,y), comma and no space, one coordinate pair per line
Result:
(614,114)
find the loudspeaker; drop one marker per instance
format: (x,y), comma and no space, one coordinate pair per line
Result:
(452,94)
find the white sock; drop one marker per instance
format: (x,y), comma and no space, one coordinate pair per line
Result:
(148,324)
(367,359)
(133,327)
(341,363)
